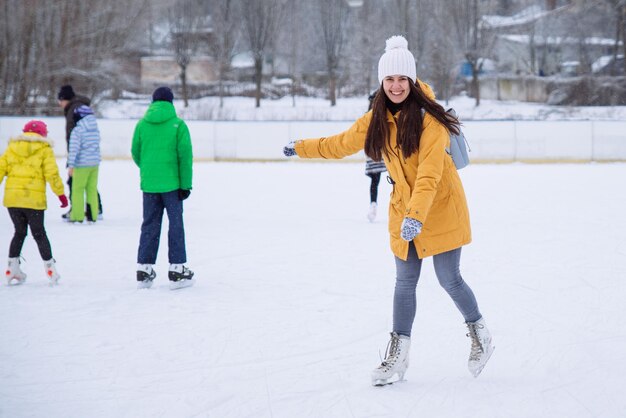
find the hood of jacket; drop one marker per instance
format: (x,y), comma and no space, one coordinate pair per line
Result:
(25,144)
(428,91)
(160,112)
(75,102)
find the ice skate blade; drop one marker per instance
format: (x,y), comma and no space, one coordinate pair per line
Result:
(382,382)
(385,382)
(476,372)
(396,377)
(180,284)
(145,284)
(14,281)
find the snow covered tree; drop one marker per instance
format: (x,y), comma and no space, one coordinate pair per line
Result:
(46,44)
(188,29)
(261,20)
(333,21)
(225,27)
(471,36)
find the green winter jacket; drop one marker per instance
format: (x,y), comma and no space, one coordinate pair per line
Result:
(162,150)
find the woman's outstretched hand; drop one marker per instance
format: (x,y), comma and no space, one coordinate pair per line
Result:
(289,150)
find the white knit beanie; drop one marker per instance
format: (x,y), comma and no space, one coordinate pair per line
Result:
(397,60)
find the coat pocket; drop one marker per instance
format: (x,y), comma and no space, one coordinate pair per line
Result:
(443,217)
(396,212)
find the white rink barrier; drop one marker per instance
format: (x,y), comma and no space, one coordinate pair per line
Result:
(490,141)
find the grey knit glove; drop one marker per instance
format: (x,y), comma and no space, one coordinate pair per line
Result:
(410,228)
(289,150)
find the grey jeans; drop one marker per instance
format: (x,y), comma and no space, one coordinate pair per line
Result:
(449,276)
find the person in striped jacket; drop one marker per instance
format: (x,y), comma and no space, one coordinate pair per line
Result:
(69,101)
(373,169)
(83,162)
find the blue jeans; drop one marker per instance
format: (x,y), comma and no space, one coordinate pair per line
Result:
(153,205)
(449,276)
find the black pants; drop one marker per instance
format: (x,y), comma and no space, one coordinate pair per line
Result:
(374,186)
(88,208)
(22,218)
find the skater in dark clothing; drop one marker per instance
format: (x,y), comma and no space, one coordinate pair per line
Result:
(373,170)
(69,103)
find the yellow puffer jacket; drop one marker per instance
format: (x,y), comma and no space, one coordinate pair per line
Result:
(28,163)
(427,185)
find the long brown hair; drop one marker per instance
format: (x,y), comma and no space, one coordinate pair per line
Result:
(410,123)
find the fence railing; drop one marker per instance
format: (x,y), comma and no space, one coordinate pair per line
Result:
(490,141)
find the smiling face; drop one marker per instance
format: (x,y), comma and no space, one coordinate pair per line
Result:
(396,87)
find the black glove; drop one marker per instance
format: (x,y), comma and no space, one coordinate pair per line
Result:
(183,194)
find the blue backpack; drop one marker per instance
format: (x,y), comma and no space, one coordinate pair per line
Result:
(459,147)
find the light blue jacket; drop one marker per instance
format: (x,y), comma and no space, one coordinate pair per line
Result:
(84,148)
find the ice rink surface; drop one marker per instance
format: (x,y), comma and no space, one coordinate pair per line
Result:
(293,299)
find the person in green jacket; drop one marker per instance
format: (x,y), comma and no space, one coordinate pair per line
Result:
(162,150)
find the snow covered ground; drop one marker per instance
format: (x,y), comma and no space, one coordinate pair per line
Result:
(293,302)
(349,109)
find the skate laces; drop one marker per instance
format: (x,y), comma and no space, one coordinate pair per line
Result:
(477,347)
(391,352)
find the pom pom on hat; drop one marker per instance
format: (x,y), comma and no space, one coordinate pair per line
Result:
(397,60)
(163,94)
(396,42)
(37,127)
(66,93)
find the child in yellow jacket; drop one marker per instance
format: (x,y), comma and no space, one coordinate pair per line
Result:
(28,163)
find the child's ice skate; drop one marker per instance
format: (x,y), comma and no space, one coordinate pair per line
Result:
(371,213)
(180,276)
(395,363)
(481,346)
(51,271)
(14,273)
(145,276)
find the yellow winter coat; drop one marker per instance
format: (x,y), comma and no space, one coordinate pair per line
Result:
(28,163)
(427,185)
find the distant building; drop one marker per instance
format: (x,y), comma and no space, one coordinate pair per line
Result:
(534,41)
(165,70)
(553,55)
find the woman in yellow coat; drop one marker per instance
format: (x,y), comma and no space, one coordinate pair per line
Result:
(28,163)
(428,214)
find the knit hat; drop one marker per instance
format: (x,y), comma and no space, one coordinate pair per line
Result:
(66,93)
(397,60)
(164,94)
(37,127)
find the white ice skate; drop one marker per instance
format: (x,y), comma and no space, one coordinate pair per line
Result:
(14,273)
(481,346)
(396,361)
(180,276)
(145,276)
(371,213)
(51,272)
